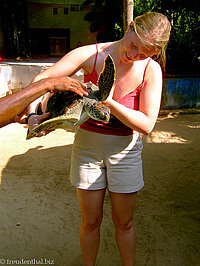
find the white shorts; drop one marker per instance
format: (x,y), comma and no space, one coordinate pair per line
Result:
(99,161)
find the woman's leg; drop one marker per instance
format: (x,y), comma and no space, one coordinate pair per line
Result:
(122,213)
(91,205)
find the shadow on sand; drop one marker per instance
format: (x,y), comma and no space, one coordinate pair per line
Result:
(40,215)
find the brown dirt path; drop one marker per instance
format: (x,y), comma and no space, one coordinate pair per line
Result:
(39,213)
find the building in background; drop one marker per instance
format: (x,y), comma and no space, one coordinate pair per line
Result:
(53,27)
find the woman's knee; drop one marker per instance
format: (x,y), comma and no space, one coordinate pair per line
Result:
(91,223)
(123,224)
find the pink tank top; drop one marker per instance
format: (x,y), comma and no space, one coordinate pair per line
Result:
(114,126)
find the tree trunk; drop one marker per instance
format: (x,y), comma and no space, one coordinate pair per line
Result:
(14,22)
(128,6)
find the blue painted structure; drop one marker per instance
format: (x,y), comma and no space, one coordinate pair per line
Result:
(177,92)
(181,93)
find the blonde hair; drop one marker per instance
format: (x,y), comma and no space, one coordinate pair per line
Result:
(154,30)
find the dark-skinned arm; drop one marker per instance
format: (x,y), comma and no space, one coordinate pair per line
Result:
(14,104)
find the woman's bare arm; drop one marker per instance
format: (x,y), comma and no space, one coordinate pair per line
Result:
(144,119)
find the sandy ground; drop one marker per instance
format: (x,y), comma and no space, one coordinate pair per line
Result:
(39,213)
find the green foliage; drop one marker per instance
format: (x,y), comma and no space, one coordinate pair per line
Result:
(184,42)
(118,31)
(106,18)
(183,50)
(142,6)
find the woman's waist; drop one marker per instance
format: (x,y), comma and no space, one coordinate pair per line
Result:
(112,127)
(96,141)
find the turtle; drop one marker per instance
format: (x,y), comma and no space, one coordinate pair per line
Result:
(69,110)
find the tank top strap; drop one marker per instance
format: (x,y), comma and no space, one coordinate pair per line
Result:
(96,57)
(145,70)
(93,76)
(141,86)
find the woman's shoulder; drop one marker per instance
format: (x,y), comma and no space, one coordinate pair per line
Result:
(153,75)
(85,51)
(152,69)
(79,56)
(153,65)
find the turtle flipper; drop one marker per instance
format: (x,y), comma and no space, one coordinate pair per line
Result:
(106,79)
(67,121)
(62,122)
(83,117)
(70,110)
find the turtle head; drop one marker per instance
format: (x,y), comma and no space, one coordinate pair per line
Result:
(98,111)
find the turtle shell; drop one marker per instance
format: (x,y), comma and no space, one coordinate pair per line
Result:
(67,109)
(60,102)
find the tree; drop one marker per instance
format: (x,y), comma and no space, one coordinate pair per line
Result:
(15,28)
(105,19)
(128,6)
(183,49)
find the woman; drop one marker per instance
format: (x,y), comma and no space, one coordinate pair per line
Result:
(108,155)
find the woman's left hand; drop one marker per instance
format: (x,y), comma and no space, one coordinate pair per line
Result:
(110,97)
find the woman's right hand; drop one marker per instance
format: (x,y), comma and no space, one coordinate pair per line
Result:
(35,120)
